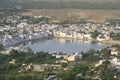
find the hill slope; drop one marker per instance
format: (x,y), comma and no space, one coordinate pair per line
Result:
(78,4)
(61,4)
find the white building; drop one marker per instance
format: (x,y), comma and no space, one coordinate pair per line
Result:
(99,63)
(75,57)
(114,51)
(87,36)
(22,25)
(115,61)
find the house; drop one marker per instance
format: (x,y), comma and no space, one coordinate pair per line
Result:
(12,62)
(51,77)
(66,57)
(115,61)
(71,58)
(56,66)
(107,37)
(59,56)
(114,51)
(22,25)
(62,61)
(61,34)
(41,67)
(75,57)
(30,67)
(87,36)
(5,52)
(99,63)
(103,37)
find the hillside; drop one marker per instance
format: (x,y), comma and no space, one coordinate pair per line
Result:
(76,4)
(92,10)
(93,1)
(61,4)
(76,14)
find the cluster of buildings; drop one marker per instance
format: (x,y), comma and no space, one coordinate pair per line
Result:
(61,58)
(68,58)
(84,31)
(17,31)
(113,59)
(23,32)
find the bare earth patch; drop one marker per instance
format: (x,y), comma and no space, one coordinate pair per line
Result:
(89,15)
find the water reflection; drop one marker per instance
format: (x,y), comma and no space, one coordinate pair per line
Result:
(64,45)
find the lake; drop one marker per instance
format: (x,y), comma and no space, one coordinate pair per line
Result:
(68,46)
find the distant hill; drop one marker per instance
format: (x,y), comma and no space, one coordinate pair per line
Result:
(90,1)
(91,10)
(75,0)
(61,4)
(7,4)
(78,4)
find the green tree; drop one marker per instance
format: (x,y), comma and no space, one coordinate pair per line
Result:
(106,53)
(1,47)
(64,64)
(95,34)
(115,36)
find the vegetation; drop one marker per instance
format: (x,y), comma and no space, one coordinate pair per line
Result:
(11,7)
(115,36)
(22,57)
(41,4)
(87,72)
(1,47)
(113,22)
(37,20)
(68,4)
(116,46)
(80,70)
(64,64)
(71,75)
(10,71)
(95,34)
(106,53)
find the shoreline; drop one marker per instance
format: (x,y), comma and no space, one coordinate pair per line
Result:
(92,40)
(112,42)
(107,42)
(28,40)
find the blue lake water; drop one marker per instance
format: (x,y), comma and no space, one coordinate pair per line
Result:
(68,46)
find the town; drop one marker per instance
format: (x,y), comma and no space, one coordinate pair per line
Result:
(91,65)
(15,31)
